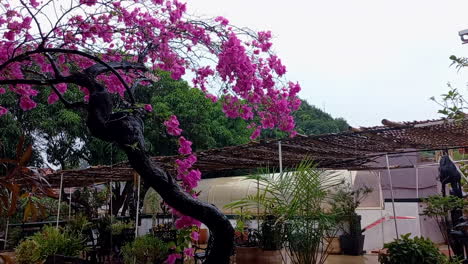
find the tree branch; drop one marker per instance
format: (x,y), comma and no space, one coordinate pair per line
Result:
(57,92)
(35,21)
(108,66)
(29,81)
(98,69)
(54,66)
(65,102)
(142,55)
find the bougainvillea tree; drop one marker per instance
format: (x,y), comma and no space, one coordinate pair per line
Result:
(107,49)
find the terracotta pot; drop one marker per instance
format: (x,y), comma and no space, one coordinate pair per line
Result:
(203,237)
(241,237)
(334,247)
(254,255)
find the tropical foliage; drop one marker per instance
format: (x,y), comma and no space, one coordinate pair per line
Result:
(50,241)
(345,201)
(145,250)
(19,183)
(439,207)
(295,207)
(417,250)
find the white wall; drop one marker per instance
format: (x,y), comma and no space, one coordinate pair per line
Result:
(385,231)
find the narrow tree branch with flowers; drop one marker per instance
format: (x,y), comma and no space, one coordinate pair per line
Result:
(106,49)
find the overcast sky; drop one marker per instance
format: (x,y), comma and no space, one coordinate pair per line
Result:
(363,60)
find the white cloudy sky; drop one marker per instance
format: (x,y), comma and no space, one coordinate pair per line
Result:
(363,60)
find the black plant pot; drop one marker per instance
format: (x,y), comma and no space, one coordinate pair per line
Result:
(352,244)
(270,234)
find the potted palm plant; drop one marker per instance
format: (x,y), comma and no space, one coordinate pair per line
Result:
(260,245)
(295,217)
(345,202)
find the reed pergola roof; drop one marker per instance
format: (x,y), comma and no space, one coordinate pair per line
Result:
(355,149)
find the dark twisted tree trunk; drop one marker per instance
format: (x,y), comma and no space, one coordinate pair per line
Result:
(126,129)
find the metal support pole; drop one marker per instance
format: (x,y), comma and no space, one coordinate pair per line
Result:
(381,198)
(258,204)
(110,209)
(69,203)
(60,199)
(137,208)
(6,229)
(382,202)
(111,193)
(6,234)
(280,153)
(391,194)
(417,182)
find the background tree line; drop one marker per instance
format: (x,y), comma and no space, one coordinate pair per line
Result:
(61,139)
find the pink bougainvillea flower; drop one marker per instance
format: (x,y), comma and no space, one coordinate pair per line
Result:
(186,221)
(26,103)
(212,97)
(61,87)
(185,146)
(3,110)
(149,108)
(195,235)
(34,3)
(171,259)
(53,97)
(250,71)
(172,126)
(189,252)
(222,20)
(256,133)
(183,165)
(2,90)
(88,2)
(192,178)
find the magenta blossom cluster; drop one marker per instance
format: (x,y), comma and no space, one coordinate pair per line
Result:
(172,126)
(189,180)
(188,176)
(157,33)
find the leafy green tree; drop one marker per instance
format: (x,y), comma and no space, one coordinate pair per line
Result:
(204,123)
(60,133)
(310,120)
(56,131)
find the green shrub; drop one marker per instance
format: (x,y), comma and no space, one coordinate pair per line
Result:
(27,252)
(146,250)
(50,241)
(438,208)
(78,225)
(418,250)
(118,226)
